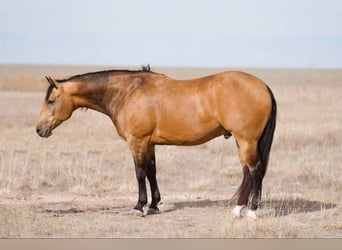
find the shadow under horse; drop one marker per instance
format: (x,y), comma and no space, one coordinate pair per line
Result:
(280,207)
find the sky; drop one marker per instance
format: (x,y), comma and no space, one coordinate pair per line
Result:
(195,33)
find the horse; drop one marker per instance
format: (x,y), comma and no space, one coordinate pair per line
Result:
(149,108)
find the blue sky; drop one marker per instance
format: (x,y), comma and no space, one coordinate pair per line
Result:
(199,33)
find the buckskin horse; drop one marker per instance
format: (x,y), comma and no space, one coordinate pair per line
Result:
(149,109)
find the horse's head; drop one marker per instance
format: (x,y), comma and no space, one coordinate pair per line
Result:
(57,107)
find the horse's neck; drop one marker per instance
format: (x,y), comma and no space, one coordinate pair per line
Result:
(88,95)
(108,97)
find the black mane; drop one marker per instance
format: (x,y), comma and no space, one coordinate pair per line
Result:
(99,73)
(48,92)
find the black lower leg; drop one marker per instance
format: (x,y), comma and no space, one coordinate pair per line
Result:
(140,170)
(245,188)
(151,176)
(257,186)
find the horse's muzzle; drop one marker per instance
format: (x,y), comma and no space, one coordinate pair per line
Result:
(44,131)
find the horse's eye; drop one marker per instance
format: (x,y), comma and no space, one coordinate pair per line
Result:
(50,102)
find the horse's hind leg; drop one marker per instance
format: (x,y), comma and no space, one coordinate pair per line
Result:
(251,182)
(243,192)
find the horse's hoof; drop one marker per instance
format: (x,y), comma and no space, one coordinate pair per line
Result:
(137,212)
(152,211)
(237,211)
(251,214)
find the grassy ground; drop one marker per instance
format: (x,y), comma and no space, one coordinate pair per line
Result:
(81,183)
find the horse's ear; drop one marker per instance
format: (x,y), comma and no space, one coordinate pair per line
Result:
(51,82)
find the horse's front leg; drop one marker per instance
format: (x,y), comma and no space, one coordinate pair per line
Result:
(151,176)
(140,171)
(139,149)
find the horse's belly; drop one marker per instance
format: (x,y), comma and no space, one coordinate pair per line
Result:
(186,136)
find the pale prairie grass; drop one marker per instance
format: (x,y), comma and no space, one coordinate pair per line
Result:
(76,170)
(164,155)
(6,193)
(263,228)
(80,190)
(15,222)
(21,222)
(200,184)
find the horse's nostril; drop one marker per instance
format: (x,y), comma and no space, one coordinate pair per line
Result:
(37,130)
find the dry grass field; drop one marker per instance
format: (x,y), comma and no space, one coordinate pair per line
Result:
(80,183)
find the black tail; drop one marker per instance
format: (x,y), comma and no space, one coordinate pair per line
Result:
(266,139)
(264,148)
